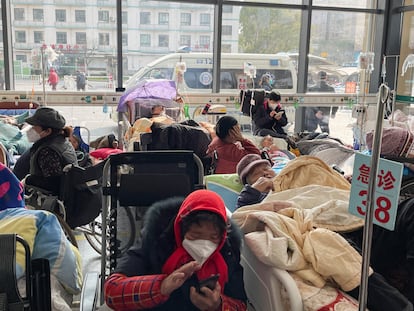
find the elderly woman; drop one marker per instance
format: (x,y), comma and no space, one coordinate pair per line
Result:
(51,150)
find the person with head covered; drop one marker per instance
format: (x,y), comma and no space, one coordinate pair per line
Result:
(184,242)
(229,145)
(51,150)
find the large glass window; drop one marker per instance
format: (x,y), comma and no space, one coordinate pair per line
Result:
(362,4)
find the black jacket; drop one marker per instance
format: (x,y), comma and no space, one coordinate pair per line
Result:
(148,256)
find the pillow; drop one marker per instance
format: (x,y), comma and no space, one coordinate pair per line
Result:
(103,153)
(227,186)
(42,231)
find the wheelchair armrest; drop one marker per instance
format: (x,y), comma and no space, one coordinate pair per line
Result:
(89,294)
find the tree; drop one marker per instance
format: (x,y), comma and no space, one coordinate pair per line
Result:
(264,30)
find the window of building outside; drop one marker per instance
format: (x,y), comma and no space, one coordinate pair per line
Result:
(104,39)
(227,9)
(185,19)
(124,17)
(205,19)
(21,58)
(80,37)
(145,18)
(185,40)
(38,36)
(124,39)
(61,37)
(163,18)
(163,41)
(38,15)
(80,16)
(19,14)
(20,36)
(205,42)
(103,16)
(227,30)
(145,40)
(60,15)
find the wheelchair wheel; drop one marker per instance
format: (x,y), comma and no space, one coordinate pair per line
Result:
(126,236)
(407,189)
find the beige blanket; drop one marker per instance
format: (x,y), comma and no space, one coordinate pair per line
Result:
(281,232)
(306,170)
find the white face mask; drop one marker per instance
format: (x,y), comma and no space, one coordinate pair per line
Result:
(32,135)
(200,250)
(272,106)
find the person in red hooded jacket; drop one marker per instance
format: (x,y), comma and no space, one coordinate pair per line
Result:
(183,242)
(53,78)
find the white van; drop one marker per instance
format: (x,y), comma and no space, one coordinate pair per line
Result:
(198,72)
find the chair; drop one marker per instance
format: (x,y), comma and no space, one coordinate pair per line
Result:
(139,179)
(37,274)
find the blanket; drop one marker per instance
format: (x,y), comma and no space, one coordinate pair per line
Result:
(305,170)
(290,240)
(13,139)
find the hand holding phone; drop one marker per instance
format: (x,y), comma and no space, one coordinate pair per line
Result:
(209,282)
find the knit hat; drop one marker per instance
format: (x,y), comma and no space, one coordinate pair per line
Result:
(48,118)
(223,126)
(274,96)
(247,164)
(396,141)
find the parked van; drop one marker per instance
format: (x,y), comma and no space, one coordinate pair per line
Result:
(198,71)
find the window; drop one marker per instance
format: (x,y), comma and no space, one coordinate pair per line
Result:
(21,58)
(124,39)
(185,40)
(38,36)
(20,36)
(204,19)
(81,38)
(38,15)
(226,30)
(205,41)
(61,37)
(18,14)
(163,18)
(60,15)
(226,48)
(227,9)
(163,41)
(145,40)
(104,39)
(145,18)
(124,17)
(185,19)
(80,16)
(103,16)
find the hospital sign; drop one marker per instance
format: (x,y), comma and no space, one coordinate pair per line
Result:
(387,190)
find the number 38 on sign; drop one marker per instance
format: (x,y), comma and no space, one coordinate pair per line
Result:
(387,190)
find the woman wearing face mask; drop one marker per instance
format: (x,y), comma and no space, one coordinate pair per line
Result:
(51,150)
(177,251)
(270,118)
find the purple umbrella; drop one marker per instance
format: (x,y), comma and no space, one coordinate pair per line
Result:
(149,89)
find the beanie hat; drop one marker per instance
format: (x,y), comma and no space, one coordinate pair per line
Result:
(223,126)
(48,118)
(274,96)
(396,141)
(247,164)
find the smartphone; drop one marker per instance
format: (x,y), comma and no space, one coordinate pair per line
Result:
(209,282)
